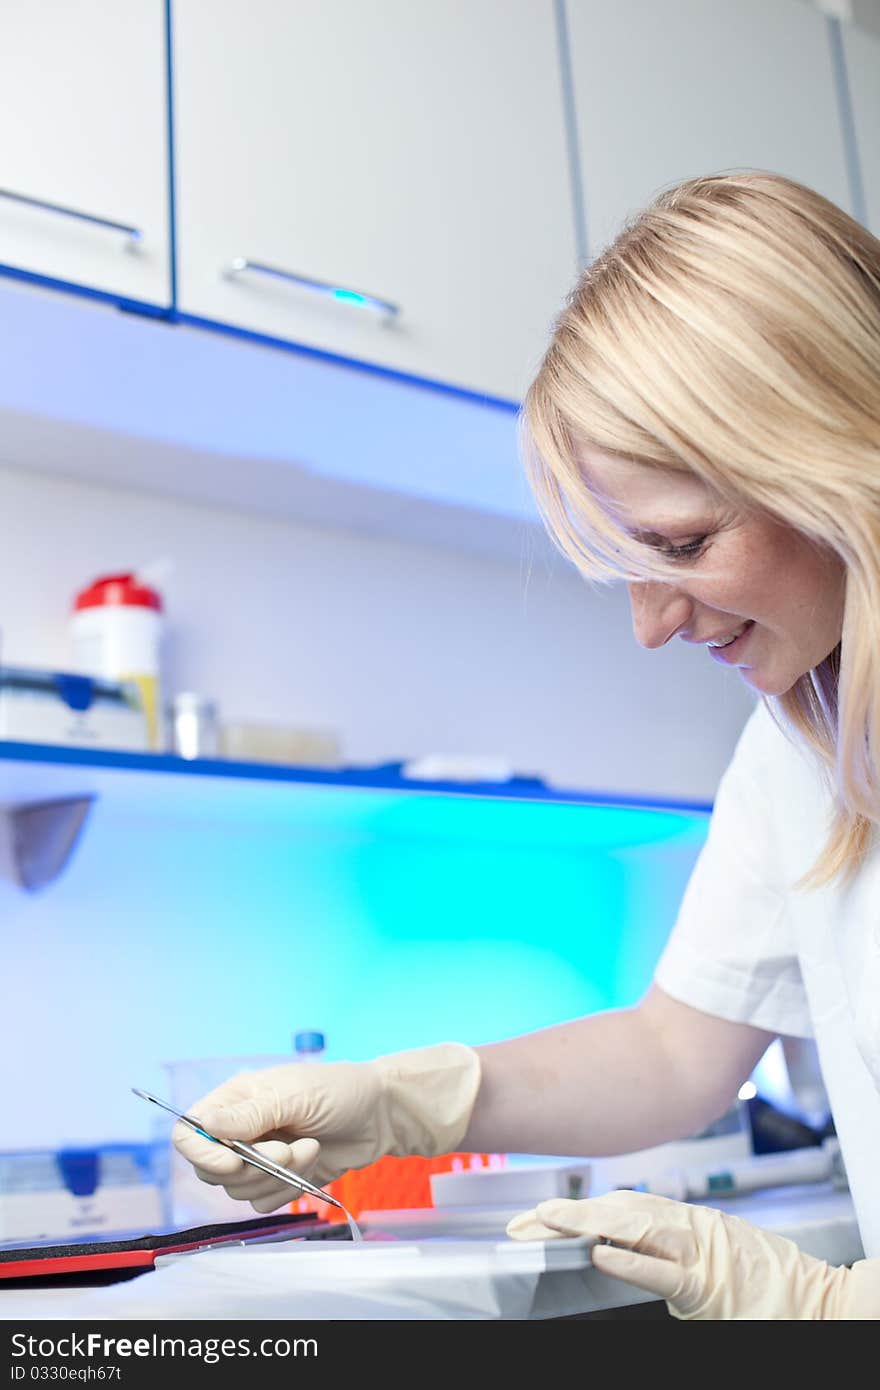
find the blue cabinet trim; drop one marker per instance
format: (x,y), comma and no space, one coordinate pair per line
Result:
(286,345)
(133,306)
(385,777)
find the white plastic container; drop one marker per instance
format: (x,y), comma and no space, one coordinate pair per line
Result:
(79,1194)
(526,1185)
(116,632)
(273,743)
(60,707)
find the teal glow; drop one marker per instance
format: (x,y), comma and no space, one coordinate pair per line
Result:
(200,921)
(351,296)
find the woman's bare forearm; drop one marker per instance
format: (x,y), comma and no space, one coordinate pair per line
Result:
(612,1082)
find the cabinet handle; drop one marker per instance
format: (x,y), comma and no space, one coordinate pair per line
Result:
(134,234)
(356,297)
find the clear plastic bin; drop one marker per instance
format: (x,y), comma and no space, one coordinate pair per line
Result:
(193,1202)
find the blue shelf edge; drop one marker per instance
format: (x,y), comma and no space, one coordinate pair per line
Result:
(384,777)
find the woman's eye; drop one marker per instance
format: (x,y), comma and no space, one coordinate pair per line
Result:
(686,552)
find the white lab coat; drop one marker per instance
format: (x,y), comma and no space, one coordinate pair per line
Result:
(747,946)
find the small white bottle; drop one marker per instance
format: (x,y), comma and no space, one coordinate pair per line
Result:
(116,633)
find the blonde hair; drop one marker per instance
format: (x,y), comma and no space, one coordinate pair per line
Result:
(732,330)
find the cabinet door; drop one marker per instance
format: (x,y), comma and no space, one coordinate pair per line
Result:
(83,144)
(669,89)
(862,52)
(413,153)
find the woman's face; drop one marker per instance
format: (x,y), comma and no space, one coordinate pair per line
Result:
(747,577)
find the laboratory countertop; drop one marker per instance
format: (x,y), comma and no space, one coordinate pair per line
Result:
(445,1263)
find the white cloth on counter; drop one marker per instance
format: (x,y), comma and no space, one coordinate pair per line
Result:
(420,1277)
(311,1280)
(750,947)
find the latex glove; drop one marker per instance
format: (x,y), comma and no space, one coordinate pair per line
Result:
(705,1263)
(322,1118)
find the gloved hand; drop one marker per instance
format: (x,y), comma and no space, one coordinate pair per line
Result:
(322,1118)
(705,1263)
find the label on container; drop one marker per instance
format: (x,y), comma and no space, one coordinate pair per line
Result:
(721,1182)
(149,688)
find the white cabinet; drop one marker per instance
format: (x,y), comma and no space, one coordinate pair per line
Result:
(417,153)
(413,153)
(84,146)
(669,89)
(862,52)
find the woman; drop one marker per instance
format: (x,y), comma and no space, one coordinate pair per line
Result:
(706,426)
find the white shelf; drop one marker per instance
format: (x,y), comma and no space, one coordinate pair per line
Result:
(365,800)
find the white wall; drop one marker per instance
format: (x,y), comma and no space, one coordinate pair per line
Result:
(404,649)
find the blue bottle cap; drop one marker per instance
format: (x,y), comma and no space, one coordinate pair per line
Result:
(308,1042)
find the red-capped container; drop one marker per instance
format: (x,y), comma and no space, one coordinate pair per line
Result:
(116,632)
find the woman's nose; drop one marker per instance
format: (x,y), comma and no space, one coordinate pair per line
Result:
(659,611)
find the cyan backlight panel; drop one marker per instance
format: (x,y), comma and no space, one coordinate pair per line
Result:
(386,921)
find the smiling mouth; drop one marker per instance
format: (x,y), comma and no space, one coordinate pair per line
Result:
(722,648)
(730,636)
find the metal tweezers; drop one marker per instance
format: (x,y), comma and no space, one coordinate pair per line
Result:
(248,1153)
